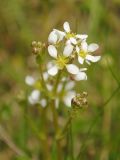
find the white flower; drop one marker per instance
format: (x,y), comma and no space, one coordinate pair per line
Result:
(55,37)
(81,75)
(68,97)
(34,97)
(71,37)
(29,80)
(67,93)
(43,102)
(84,52)
(61,61)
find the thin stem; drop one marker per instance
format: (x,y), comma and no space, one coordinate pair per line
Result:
(45,142)
(7,139)
(57,82)
(56,126)
(42,79)
(65,129)
(95,120)
(71,142)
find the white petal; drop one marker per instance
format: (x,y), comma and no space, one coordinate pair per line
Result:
(83,69)
(71,68)
(70,85)
(84,46)
(52,51)
(73,40)
(93,47)
(93,58)
(66,27)
(68,50)
(80,60)
(67,99)
(88,62)
(29,80)
(31,101)
(43,102)
(53,71)
(35,95)
(77,49)
(68,42)
(49,87)
(59,34)
(52,37)
(81,36)
(81,76)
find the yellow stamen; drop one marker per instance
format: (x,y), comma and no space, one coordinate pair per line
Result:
(61,61)
(69,35)
(82,54)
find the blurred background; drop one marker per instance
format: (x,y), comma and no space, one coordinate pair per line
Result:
(97,131)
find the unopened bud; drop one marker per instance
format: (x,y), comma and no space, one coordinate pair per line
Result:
(79,100)
(34,44)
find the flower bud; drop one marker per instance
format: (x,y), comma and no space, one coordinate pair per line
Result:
(79,101)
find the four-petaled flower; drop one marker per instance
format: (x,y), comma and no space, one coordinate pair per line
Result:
(84,52)
(56,35)
(61,61)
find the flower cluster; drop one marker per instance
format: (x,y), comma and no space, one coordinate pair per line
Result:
(69,52)
(65,91)
(75,45)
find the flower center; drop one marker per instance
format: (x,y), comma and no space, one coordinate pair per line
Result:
(82,54)
(69,35)
(61,61)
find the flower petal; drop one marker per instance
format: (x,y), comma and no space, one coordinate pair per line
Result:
(68,97)
(53,71)
(93,47)
(52,51)
(34,97)
(35,94)
(52,37)
(80,60)
(73,40)
(66,27)
(80,76)
(81,36)
(71,68)
(68,50)
(83,69)
(93,58)
(59,34)
(49,87)
(70,85)
(84,46)
(29,80)
(43,102)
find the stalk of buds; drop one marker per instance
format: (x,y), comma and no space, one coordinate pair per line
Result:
(37,47)
(80,100)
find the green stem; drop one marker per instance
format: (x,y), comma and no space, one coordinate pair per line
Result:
(57,82)
(42,79)
(71,142)
(56,126)
(46,152)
